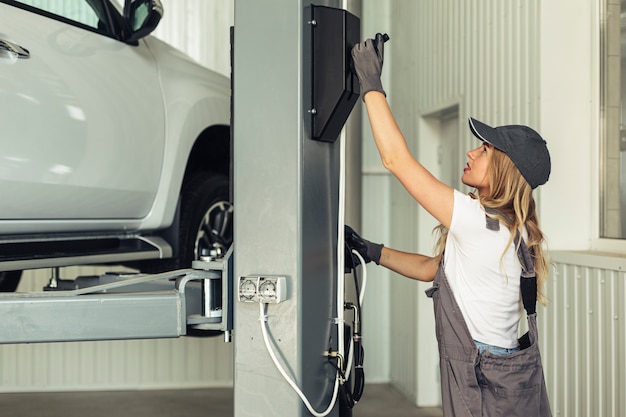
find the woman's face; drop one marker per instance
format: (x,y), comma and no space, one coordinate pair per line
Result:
(476,172)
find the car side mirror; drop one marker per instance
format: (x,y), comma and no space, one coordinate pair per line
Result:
(142,17)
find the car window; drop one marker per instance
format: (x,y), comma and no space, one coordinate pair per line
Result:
(89,13)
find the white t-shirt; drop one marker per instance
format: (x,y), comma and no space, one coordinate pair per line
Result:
(485,283)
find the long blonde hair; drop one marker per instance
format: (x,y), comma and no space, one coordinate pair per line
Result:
(511,195)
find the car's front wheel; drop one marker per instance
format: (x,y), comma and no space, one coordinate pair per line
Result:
(206,219)
(206,225)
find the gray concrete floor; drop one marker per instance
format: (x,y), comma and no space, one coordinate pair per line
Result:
(378,400)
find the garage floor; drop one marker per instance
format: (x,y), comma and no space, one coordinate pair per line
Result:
(378,400)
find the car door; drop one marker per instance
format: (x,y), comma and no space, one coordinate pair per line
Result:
(82,120)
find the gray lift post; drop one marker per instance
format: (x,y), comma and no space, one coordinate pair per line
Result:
(285,192)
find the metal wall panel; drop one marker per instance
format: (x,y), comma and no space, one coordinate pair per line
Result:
(583,336)
(482,53)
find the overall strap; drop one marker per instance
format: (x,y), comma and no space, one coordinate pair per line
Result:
(528,278)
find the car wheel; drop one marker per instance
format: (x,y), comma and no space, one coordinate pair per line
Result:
(206,219)
(206,226)
(9,280)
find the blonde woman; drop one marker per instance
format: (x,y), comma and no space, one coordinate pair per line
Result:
(490,240)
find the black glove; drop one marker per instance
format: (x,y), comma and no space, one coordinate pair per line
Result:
(367,57)
(368,250)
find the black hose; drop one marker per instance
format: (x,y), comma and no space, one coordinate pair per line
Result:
(359,373)
(352,390)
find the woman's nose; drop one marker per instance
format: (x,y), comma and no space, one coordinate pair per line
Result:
(472,153)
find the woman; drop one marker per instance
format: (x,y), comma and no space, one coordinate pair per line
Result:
(478,266)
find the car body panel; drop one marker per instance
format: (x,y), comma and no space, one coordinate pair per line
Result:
(82,154)
(195,100)
(111,130)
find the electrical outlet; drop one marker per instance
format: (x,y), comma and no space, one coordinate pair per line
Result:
(262,289)
(247,289)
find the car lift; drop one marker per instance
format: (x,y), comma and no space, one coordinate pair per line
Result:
(124,306)
(287,193)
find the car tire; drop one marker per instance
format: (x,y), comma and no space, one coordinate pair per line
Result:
(9,280)
(206,219)
(206,226)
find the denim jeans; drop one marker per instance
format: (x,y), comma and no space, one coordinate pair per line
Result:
(495,350)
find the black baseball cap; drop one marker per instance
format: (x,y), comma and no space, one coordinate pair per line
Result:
(523,145)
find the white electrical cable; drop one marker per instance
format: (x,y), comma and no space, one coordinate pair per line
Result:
(341,296)
(364,276)
(270,350)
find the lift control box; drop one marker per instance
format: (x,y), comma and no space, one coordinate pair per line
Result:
(331,88)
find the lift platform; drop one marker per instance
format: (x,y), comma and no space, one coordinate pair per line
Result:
(124,306)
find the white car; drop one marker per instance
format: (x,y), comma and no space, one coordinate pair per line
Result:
(114,146)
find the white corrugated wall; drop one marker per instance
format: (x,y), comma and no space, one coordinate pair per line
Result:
(583,335)
(200,28)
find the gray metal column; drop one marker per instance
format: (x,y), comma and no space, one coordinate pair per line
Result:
(285,191)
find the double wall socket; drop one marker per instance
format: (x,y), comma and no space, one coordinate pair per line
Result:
(262,289)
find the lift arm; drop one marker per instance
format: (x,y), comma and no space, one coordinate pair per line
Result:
(141,307)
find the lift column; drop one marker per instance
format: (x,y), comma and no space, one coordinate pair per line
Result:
(286,198)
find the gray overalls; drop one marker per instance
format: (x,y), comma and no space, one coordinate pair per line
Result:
(487,385)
